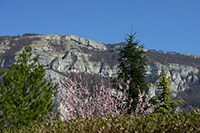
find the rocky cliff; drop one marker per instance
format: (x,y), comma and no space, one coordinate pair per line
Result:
(63,54)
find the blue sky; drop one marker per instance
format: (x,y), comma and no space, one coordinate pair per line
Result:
(167,25)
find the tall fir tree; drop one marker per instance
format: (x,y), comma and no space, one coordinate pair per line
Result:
(26,97)
(132,62)
(164,94)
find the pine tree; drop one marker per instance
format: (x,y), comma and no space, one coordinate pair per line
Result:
(26,97)
(132,62)
(164,94)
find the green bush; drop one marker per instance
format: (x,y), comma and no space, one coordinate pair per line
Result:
(25,95)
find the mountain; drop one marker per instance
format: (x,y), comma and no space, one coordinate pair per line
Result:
(63,54)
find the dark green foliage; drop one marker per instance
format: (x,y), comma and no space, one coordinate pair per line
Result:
(25,95)
(132,62)
(164,95)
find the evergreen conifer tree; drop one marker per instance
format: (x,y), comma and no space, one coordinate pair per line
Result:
(132,62)
(26,97)
(164,94)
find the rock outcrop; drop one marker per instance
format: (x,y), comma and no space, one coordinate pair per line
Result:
(63,54)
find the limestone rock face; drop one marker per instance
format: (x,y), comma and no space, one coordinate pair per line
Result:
(63,54)
(179,74)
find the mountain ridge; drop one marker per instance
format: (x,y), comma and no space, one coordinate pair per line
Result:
(62,54)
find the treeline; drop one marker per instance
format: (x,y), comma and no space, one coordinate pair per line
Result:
(12,37)
(161,51)
(177,58)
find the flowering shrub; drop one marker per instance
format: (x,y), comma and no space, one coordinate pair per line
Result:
(106,105)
